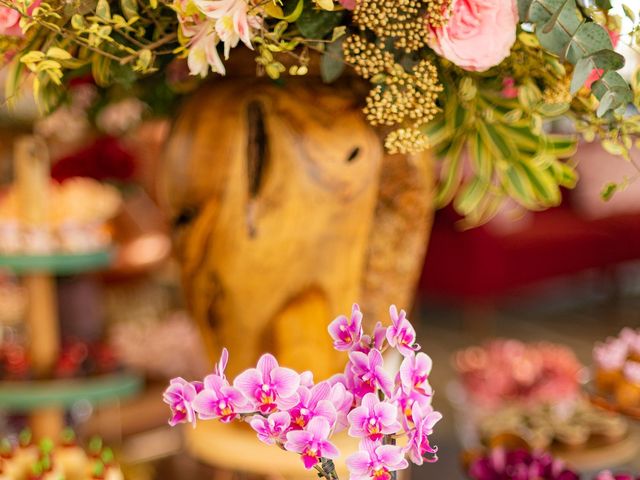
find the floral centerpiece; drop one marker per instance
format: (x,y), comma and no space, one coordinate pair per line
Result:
(501,464)
(389,412)
(473,80)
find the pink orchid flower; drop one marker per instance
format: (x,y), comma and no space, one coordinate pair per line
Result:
(368,369)
(273,428)
(347,332)
(312,443)
(414,373)
(373,418)
(401,333)
(375,461)
(342,400)
(408,400)
(219,400)
(269,386)
(314,402)
(418,445)
(376,341)
(306,379)
(179,395)
(222,364)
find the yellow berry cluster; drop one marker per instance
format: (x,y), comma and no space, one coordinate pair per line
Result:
(403,21)
(400,97)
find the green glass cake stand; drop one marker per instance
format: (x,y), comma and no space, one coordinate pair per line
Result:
(27,396)
(57,263)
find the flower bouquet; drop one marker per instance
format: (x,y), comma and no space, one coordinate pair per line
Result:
(500,464)
(389,412)
(473,80)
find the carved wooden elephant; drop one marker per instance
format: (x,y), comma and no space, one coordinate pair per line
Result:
(286,211)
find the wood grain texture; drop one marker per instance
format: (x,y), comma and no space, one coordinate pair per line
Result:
(286,211)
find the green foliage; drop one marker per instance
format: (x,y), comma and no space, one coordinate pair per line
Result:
(317,24)
(492,148)
(332,61)
(563,30)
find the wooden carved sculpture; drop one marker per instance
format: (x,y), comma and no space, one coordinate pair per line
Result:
(287,210)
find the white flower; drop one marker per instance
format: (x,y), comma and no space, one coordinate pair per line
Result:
(203,52)
(233,23)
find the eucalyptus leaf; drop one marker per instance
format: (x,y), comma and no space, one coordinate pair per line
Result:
(317,24)
(332,62)
(602,59)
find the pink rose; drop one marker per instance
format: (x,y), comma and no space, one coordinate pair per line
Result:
(10,20)
(479,33)
(348,4)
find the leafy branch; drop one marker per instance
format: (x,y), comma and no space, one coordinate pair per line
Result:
(563,30)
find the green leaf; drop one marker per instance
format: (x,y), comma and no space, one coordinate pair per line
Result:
(603,4)
(497,144)
(588,39)
(480,157)
(332,62)
(561,146)
(100,69)
(544,185)
(564,174)
(602,59)
(437,131)
(102,10)
(58,53)
(629,13)
(276,12)
(317,24)
(32,57)
(472,193)
(523,9)
(450,174)
(608,191)
(522,136)
(559,29)
(77,22)
(129,8)
(516,182)
(553,109)
(613,92)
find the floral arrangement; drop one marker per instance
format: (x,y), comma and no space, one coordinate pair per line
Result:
(617,368)
(473,80)
(391,414)
(505,372)
(500,464)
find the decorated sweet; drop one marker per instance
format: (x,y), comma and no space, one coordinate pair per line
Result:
(505,372)
(77,215)
(617,369)
(76,359)
(574,425)
(50,461)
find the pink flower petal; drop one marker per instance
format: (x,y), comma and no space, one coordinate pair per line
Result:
(266,364)
(248,382)
(319,427)
(285,381)
(321,391)
(297,440)
(358,464)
